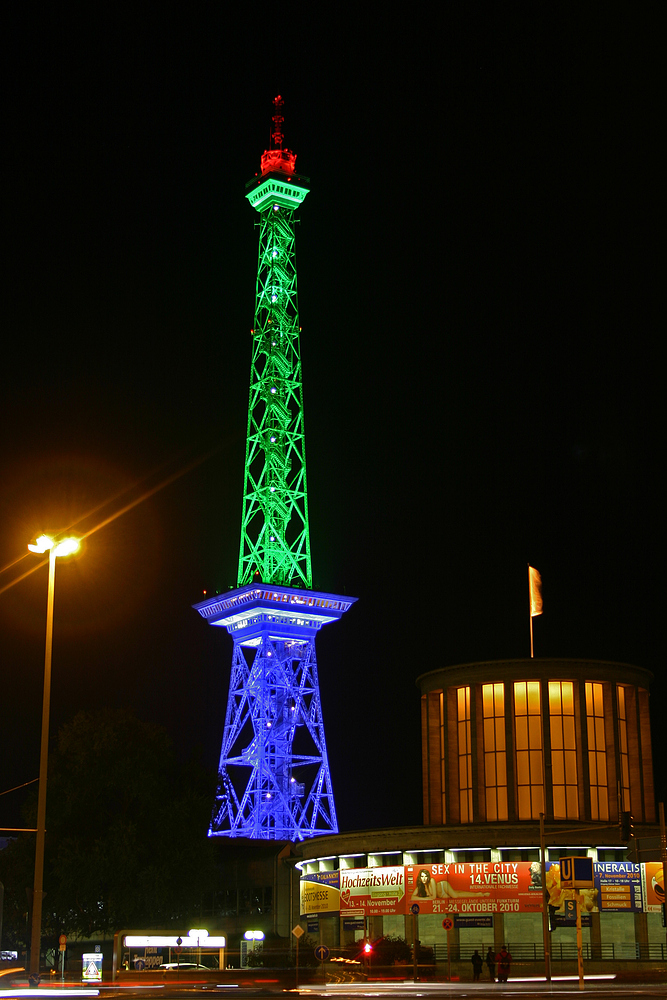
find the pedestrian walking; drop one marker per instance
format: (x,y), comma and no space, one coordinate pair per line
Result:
(491,963)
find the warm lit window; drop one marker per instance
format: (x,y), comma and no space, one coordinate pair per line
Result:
(495,756)
(563,750)
(442,756)
(528,743)
(597,752)
(623,749)
(465,753)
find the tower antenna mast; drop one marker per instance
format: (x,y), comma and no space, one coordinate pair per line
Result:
(273,778)
(278,122)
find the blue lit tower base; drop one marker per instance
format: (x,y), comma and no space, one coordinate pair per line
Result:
(274,780)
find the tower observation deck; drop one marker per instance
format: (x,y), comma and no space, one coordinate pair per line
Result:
(273,777)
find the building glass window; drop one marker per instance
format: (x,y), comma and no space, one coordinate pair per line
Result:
(465,753)
(597,751)
(442,756)
(529,752)
(522,854)
(563,750)
(495,754)
(623,748)
(472,857)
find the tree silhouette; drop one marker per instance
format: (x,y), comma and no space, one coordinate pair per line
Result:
(126,840)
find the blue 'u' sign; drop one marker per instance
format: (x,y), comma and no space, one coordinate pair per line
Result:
(576,873)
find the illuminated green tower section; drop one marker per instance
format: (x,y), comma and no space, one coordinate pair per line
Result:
(275,541)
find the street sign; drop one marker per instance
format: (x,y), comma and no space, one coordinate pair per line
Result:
(414,908)
(298,931)
(321,953)
(576,873)
(62,939)
(91,967)
(448,923)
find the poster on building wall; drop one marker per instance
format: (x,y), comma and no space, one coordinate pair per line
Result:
(617,889)
(372,891)
(480,888)
(475,888)
(653,886)
(319,892)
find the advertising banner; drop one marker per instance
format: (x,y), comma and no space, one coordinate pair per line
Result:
(354,924)
(319,892)
(372,891)
(476,888)
(653,886)
(463,920)
(617,889)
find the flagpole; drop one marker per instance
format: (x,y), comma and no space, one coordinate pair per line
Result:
(531,637)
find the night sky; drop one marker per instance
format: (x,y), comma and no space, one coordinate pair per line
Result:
(478,285)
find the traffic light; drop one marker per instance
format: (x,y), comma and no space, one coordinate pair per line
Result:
(627,829)
(368,948)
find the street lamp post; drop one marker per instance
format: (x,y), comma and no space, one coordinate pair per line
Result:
(63,548)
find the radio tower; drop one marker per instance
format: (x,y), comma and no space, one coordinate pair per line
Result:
(273,778)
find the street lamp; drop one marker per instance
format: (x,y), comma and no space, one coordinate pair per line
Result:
(64,547)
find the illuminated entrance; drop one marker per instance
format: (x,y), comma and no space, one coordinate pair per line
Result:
(194,950)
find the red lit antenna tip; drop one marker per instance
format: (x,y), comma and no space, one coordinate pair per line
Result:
(278,120)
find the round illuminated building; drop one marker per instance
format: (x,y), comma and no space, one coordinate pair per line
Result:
(524,762)
(506,740)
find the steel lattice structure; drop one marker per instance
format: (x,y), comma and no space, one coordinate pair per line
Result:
(276,695)
(274,779)
(275,540)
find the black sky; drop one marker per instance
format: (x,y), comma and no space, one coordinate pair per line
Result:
(478,275)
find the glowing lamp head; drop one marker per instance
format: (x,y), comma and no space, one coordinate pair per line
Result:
(368,948)
(198,933)
(67,547)
(45,543)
